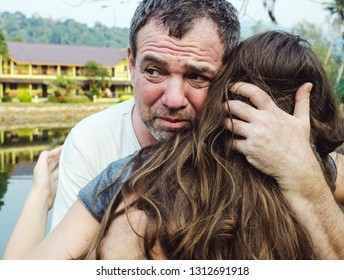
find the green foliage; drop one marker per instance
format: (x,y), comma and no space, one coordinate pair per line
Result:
(340,90)
(24,97)
(95,90)
(68,99)
(16,26)
(91,69)
(336,8)
(125,97)
(3,186)
(6,98)
(63,86)
(320,43)
(98,78)
(3,45)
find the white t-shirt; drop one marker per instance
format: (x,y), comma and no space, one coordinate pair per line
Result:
(90,147)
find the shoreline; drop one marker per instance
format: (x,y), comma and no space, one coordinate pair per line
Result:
(53,116)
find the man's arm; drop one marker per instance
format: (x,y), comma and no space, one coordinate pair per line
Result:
(278,144)
(339,193)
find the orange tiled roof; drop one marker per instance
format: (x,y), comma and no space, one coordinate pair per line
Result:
(65,55)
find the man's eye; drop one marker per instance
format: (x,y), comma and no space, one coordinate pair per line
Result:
(197,77)
(198,81)
(152,72)
(153,75)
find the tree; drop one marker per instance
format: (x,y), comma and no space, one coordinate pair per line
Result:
(63,86)
(35,29)
(319,42)
(336,13)
(3,45)
(336,10)
(98,78)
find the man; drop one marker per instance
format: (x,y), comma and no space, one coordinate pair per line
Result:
(176,49)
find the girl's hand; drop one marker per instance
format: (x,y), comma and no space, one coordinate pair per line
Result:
(45,175)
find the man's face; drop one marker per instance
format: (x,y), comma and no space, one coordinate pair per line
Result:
(171,77)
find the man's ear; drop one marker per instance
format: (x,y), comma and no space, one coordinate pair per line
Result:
(131,62)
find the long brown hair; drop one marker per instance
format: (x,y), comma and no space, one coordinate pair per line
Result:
(205,201)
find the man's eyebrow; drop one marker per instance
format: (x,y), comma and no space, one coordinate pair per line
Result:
(154,59)
(190,67)
(200,69)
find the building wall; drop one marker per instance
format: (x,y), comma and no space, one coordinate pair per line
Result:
(35,79)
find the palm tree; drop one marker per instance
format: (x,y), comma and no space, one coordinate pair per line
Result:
(63,86)
(98,77)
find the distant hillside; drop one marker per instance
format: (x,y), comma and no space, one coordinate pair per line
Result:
(18,27)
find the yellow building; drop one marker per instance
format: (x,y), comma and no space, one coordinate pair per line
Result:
(31,67)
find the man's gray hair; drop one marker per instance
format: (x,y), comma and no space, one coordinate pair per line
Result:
(180,16)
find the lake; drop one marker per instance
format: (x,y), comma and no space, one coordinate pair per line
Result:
(19,151)
(25,131)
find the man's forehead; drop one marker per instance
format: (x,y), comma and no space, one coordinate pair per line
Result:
(187,65)
(202,37)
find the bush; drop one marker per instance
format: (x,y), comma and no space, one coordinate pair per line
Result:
(125,97)
(24,97)
(6,98)
(89,95)
(76,99)
(53,99)
(68,99)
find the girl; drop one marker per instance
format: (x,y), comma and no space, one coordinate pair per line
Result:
(193,196)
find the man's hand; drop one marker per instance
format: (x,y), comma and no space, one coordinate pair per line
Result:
(275,142)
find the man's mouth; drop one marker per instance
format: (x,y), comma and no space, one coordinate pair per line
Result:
(172,123)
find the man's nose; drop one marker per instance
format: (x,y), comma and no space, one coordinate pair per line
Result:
(175,93)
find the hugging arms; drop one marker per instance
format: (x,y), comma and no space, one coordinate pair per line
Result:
(313,221)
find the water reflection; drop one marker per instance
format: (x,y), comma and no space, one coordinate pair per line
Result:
(3,186)
(20,148)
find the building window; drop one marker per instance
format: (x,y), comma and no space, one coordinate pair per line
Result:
(64,70)
(35,86)
(79,71)
(13,86)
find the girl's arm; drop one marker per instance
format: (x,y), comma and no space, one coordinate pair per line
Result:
(31,225)
(70,239)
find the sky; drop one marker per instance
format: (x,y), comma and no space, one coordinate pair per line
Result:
(119,12)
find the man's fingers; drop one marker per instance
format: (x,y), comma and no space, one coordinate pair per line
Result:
(242,110)
(239,146)
(301,110)
(238,127)
(257,96)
